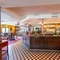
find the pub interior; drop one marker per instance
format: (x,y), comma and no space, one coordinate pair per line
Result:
(29,30)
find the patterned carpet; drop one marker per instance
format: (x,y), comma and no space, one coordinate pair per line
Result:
(4,57)
(18,52)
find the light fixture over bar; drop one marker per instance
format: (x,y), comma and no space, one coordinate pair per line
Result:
(42,22)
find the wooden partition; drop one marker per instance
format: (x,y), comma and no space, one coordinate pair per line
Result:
(42,42)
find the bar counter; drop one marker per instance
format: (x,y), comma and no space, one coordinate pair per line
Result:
(42,42)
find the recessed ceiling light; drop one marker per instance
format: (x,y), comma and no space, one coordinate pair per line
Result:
(40,23)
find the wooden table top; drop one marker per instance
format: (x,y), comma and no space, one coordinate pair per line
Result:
(2,41)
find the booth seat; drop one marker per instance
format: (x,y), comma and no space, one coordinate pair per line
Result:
(3,44)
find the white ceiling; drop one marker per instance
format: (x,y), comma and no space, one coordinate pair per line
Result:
(19,8)
(6,12)
(8,18)
(45,21)
(20,3)
(39,17)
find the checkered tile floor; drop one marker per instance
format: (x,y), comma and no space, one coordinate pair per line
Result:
(18,52)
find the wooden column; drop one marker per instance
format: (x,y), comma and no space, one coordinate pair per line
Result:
(42,27)
(0,37)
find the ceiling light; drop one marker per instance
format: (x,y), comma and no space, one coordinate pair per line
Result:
(40,23)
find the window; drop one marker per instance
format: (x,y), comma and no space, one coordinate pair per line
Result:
(5,30)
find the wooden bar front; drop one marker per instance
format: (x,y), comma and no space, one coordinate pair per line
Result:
(42,42)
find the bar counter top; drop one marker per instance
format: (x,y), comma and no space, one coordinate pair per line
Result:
(45,35)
